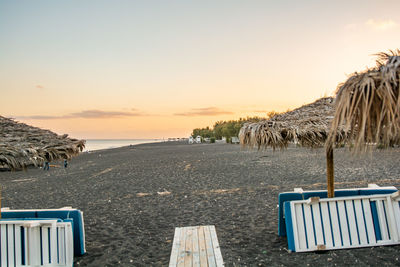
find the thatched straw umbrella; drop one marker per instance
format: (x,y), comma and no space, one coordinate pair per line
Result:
(308,125)
(368,105)
(22,145)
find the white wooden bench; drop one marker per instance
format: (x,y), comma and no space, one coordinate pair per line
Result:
(343,222)
(36,243)
(196,246)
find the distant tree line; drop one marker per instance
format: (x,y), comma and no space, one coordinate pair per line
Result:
(229,128)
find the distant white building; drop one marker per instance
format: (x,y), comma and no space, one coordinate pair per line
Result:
(191,140)
(198,139)
(235,140)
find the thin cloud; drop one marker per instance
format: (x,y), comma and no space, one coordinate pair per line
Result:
(99,114)
(40,86)
(87,114)
(260,111)
(381,25)
(209,111)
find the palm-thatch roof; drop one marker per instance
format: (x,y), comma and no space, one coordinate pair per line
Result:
(368,104)
(22,145)
(308,125)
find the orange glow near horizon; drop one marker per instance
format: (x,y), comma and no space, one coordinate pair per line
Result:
(157,70)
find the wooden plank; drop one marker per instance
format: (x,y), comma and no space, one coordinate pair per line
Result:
(382,220)
(352,222)
(18,245)
(209,247)
(188,246)
(202,246)
(326,224)
(335,224)
(3,233)
(69,244)
(394,235)
(319,233)
(181,251)
(53,245)
(10,250)
(396,212)
(196,250)
(362,233)
(301,242)
(217,251)
(343,223)
(61,245)
(369,221)
(33,239)
(25,231)
(175,247)
(45,244)
(309,226)
(294,226)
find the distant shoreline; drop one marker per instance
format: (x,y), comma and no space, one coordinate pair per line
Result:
(102,144)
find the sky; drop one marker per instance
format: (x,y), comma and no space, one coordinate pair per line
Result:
(126,69)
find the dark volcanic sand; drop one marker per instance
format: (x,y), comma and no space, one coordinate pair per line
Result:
(235,190)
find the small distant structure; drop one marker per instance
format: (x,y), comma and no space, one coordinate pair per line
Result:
(207,140)
(191,140)
(235,140)
(198,139)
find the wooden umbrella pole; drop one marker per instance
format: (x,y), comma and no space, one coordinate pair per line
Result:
(329,171)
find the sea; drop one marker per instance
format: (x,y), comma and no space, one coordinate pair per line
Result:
(97,144)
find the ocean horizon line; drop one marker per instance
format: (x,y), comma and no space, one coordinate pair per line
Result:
(100,144)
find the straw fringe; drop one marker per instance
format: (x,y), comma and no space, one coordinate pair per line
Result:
(368,105)
(308,125)
(22,145)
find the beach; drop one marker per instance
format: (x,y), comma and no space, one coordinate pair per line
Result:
(133,197)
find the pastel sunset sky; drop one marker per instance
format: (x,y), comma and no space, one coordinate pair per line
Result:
(158,69)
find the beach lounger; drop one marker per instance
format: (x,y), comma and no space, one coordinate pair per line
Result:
(196,246)
(300,194)
(343,222)
(63,213)
(34,242)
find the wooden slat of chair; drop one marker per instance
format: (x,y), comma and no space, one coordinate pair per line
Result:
(217,251)
(382,220)
(396,210)
(18,245)
(317,224)
(327,225)
(343,223)
(176,242)
(352,222)
(181,250)
(209,247)
(394,234)
(188,246)
(3,254)
(202,247)
(308,223)
(196,249)
(10,243)
(301,241)
(362,233)
(337,240)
